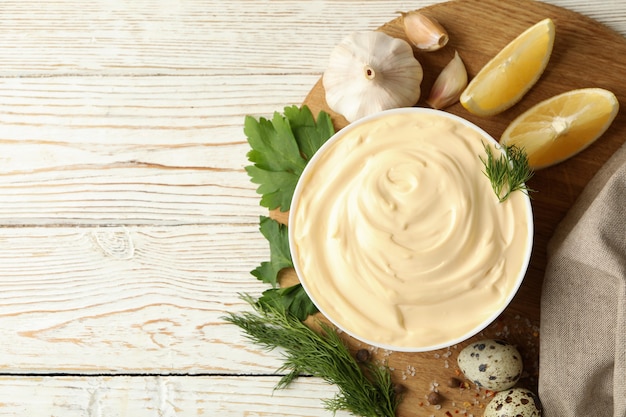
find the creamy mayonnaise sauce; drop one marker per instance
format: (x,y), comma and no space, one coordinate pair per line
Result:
(398,236)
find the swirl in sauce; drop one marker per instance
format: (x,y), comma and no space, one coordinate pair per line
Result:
(398,236)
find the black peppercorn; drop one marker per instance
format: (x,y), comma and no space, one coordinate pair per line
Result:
(454,382)
(362,355)
(434,398)
(399,389)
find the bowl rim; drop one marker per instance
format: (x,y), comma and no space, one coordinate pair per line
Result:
(295,202)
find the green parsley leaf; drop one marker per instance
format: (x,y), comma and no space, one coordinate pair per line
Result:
(309,134)
(276,187)
(281,149)
(294,299)
(291,299)
(280,256)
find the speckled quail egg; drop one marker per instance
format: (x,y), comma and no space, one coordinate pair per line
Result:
(492,364)
(518,402)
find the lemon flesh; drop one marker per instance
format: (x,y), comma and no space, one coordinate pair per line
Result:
(504,80)
(562,126)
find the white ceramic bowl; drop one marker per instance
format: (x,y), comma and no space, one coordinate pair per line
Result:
(406,293)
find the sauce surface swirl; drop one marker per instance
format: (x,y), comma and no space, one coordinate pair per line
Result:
(398,237)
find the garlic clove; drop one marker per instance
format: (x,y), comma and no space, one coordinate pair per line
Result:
(449,84)
(424,32)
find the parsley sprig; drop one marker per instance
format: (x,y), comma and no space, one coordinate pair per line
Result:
(281,148)
(507,173)
(293,299)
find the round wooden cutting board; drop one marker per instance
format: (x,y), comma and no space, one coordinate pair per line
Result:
(586,54)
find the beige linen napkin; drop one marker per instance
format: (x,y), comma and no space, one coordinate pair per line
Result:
(583,303)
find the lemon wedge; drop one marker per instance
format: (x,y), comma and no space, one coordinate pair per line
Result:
(560,127)
(504,80)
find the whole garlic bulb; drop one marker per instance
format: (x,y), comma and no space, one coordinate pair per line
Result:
(369,72)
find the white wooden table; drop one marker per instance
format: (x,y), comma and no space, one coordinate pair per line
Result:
(128,224)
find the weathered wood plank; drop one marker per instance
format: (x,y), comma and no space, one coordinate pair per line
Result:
(128,299)
(170,396)
(140,150)
(151,37)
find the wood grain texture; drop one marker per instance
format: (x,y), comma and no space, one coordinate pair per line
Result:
(129,150)
(128,226)
(162,396)
(153,37)
(128,299)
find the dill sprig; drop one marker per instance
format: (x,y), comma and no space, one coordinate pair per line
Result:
(509,172)
(365,391)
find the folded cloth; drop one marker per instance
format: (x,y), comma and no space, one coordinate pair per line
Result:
(582,364)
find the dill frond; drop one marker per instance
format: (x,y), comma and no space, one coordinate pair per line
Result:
(364,390)
(508,172)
